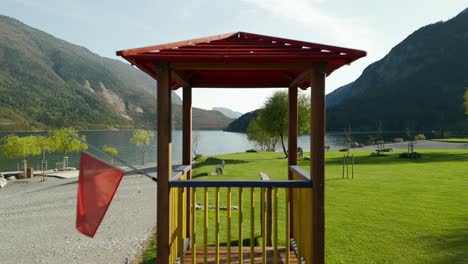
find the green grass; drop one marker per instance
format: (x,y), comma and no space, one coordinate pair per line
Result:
(452,140)
(394,211)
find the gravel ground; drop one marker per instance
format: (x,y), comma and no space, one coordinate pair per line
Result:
(38,222)
(422,144)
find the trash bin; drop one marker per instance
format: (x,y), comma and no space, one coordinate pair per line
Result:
(30,172)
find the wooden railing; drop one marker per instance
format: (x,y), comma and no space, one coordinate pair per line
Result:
(295,190)
(302,216)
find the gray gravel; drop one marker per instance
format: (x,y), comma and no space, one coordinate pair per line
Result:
(422,144)
(37,222)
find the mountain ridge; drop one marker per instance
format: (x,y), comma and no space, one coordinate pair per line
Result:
(419,84)
(227,112)
(48,82)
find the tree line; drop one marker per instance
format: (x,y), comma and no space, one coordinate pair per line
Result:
(60,141)
(57,141)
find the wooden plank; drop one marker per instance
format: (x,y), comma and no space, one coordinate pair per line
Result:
(193,234)
(205,229)
(180,80)
(236,257)
(124,53)
(187,142)
(292,145)
(300,79)
(238,66)
(300,172)
(229,215)
(317,165)
(275,225)
(164,160)
(268,204)
(242,58)
(264,223)
(235,183)
(288,226)
(264,176)
(216,226)
(252,224)
(179,171)
(241,229)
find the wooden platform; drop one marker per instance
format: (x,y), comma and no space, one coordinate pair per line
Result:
(235,255)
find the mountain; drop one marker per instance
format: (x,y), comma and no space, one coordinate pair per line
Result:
(228,112)
(419,84)
(242,123)
(46,82)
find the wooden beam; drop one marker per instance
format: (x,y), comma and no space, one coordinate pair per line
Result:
(305,76)
(124,53)
(292,145)
(179,79)
(217,66)
(317,164)
(245,184)
(187,142)
(164,162)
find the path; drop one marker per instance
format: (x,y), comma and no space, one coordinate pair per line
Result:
(38,223)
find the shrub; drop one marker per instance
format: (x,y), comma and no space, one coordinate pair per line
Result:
(419,137)
(398,140)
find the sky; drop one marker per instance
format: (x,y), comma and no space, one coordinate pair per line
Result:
(105,26)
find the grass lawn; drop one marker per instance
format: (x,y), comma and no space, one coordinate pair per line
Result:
(394,211)
(452,140)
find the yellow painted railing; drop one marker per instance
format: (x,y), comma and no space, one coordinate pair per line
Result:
(302,217)
(178,232)
(263,193)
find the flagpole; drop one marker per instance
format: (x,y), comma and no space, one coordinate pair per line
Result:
(115,157)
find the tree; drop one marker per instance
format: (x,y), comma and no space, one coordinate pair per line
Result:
(19,147)
(348,133)
(44,144)
(273,117)
(262,139)
(63,143)
(142,139)
(380,136)
(195,141)
(111,151)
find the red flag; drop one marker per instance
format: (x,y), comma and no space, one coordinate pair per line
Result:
(97,185)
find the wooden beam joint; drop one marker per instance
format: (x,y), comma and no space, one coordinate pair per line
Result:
(305,76)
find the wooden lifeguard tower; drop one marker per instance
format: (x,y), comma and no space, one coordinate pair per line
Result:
(240,60)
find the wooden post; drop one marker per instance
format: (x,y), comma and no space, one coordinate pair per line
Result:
(187,142)
(164,162)
(269,212)
(317,163)
(292,147)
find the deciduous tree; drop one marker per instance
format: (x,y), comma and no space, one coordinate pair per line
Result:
(63,143)
(142,139)
(19,147)
(274,119)
(262,139)
(111,151)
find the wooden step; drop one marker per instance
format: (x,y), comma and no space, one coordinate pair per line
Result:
(235,255)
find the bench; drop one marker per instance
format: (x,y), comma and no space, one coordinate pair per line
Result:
(219,169)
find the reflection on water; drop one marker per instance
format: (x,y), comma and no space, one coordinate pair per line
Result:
(211,142)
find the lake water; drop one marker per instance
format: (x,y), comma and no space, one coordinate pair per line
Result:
(211,142)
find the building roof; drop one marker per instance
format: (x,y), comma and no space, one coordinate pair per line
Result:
(239,60)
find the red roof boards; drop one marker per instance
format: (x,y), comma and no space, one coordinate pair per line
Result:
(239,60)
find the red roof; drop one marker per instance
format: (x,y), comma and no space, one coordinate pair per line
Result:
(239,60)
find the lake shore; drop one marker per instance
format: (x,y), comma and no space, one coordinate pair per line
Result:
(421,144)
